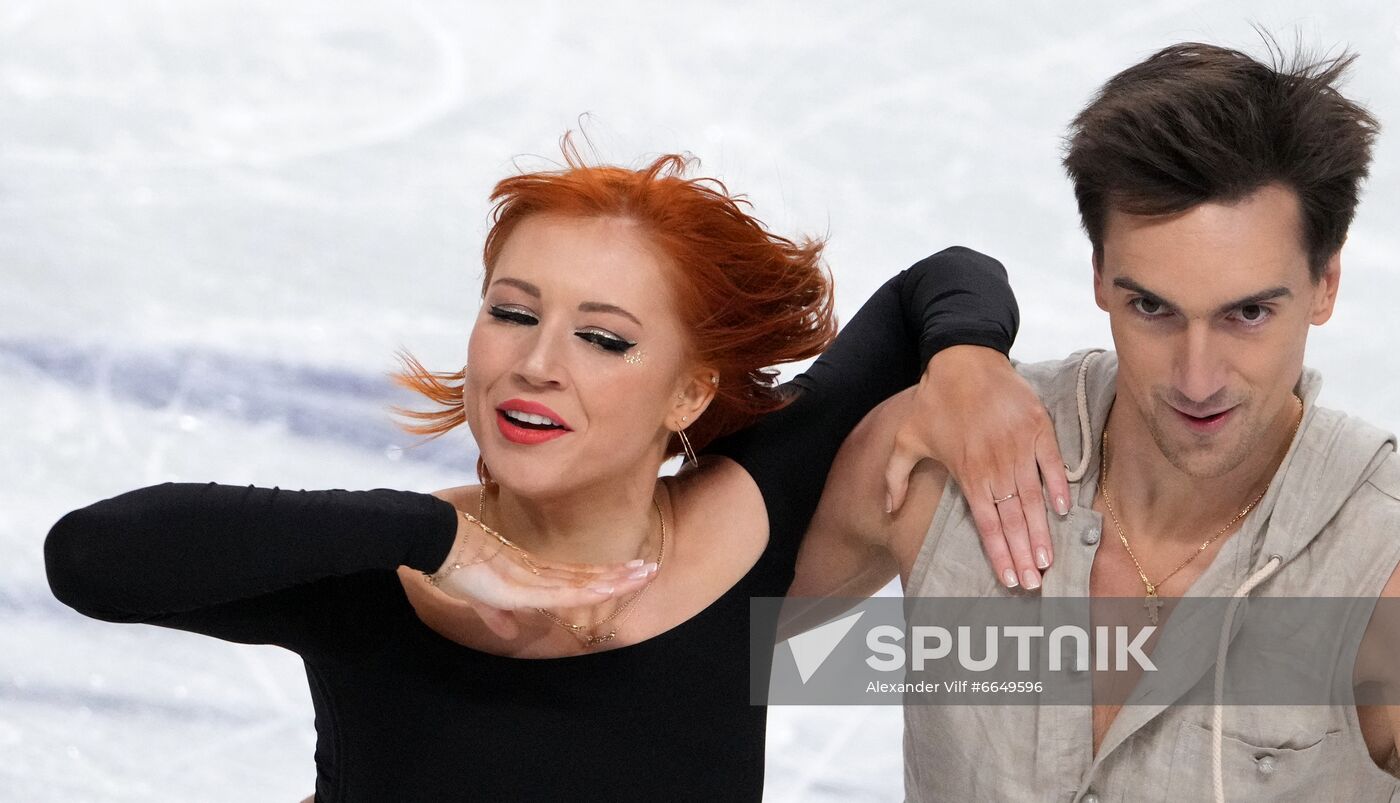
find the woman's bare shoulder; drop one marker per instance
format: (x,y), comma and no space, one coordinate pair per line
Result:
(720,490)
(462,497)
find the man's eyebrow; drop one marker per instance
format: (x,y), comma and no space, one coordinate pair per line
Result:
(1133,287)
(598,306)
(1257,298)
(1253,298)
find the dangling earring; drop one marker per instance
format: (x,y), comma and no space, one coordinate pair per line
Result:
(685,443)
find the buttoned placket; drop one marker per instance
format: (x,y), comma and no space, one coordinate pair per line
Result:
(1069,727)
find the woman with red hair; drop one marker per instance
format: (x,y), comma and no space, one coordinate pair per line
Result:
(572,626)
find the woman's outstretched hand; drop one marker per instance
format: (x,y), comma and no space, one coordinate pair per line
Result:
(497,579)
(985,424)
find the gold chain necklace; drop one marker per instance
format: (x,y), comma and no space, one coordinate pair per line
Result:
(584,633)
(1152,601)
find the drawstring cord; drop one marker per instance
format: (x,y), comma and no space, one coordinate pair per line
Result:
(1086,438)
(1217,736)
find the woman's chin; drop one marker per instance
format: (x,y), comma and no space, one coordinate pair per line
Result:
(534,481)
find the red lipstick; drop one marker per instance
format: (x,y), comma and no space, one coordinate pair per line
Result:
(529,433)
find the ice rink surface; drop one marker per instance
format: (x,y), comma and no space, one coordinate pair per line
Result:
(218,220)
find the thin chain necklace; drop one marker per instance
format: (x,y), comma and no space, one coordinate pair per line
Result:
(587,634)
(1152,601)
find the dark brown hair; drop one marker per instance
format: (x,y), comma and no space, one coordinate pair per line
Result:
(750,299)
(1196,123)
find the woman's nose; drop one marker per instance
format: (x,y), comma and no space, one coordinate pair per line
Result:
(540,365)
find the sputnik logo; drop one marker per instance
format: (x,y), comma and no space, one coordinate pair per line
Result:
(811,649)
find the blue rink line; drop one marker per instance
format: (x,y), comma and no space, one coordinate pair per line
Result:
(311,402)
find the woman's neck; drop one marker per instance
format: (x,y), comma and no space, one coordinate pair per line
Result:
(595,525)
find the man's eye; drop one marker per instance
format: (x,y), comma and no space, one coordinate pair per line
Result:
(513,315)
(605,341)
(1253,313)
(1147,306)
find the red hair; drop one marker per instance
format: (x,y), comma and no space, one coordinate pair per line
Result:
(749,298)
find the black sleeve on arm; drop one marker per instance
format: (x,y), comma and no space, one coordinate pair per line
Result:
(957,296)
(237,562)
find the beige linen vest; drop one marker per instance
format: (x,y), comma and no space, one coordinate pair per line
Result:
(1332,517)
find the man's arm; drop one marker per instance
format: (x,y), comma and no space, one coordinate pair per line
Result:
(853,547)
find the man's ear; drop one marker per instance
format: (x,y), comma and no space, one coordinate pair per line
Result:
(1325,291)
(1100,297)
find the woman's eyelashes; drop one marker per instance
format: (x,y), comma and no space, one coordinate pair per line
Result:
(606,341)
(601,338)
(512,314)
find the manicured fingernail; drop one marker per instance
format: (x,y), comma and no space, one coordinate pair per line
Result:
(1009,578)
(638,574)
(1061,506)
(1041,559)
(889,503)
(1031,579)
(652,567)
(634,563)
(601,589)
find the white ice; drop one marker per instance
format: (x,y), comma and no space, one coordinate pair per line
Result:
(219,219)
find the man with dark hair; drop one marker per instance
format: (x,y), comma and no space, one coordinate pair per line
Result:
(1216,191)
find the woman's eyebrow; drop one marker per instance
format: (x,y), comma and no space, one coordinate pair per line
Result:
(598,306)
(587,306)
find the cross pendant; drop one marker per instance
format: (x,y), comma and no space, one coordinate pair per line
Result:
(1152,602)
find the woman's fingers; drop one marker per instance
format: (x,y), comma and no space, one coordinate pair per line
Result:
(1005,493)
(897,470)
(587,575)
(1052,470)
(568,596)
(500,622)
(599,576)
(975,414)
(507,580)
(497,593)
(988,521)
(1038,460)
(590,568)
(1031,502)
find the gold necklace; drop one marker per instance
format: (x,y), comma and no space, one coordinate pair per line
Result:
(584,633)
(1151,601)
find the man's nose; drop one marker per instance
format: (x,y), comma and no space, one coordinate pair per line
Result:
(1200,363)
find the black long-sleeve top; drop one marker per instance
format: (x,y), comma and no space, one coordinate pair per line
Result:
(405,714)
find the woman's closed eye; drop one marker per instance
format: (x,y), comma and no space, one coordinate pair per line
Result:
(513,314)
(605,340)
